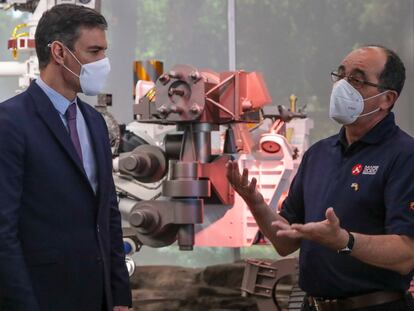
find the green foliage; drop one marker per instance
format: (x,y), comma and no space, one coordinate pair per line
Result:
(202,256)
(174,30)
(199,257)
(297,43)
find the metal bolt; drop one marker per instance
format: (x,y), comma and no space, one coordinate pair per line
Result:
(130,163)
(137,219)
(164,79)
(162,110)
(247,105)
(195,76)
(195,109)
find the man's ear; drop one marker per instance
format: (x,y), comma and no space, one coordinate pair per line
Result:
(389,100)
(57,52)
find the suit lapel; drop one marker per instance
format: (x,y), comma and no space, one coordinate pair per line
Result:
(51,118)
(94,125)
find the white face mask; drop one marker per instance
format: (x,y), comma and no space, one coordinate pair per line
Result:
(347,103)
(92,76)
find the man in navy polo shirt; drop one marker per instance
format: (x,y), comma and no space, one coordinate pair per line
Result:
(350,208)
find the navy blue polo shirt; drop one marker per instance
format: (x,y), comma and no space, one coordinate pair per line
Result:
(370,185)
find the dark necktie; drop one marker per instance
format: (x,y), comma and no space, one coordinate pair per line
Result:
(73,131)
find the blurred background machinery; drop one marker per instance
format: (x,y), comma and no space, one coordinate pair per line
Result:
(170,167)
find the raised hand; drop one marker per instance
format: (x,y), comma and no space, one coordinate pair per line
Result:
(327,232)
(240,183)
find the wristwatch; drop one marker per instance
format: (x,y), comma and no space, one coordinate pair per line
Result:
(348,248)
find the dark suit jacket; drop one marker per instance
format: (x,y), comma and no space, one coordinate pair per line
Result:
(60,244)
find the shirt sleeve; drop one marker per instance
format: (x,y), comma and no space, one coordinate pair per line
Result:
(293,206)
(399,196)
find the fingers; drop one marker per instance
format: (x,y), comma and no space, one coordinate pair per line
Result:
(326,232)
(240,182)
(331,216)
(286,230)
(291,234)
(309,229)
(252,186)
(305,229)
(232,173)
(280,225)
(245,178)
(312,231)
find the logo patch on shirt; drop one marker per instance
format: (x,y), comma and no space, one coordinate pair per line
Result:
(357,169)
(355,186)
(370,169)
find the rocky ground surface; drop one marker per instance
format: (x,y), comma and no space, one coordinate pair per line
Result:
(171,288)
(214,288)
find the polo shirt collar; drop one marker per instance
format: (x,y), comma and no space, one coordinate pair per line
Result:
(379,132)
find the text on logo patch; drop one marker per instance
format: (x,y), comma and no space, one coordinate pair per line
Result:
(370,169)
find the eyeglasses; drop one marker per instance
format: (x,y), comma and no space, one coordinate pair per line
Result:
(355,80)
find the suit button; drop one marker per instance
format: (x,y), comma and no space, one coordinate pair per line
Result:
(99,259)
(97,228)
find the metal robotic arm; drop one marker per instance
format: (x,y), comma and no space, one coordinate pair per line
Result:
(197,102)
(174,188)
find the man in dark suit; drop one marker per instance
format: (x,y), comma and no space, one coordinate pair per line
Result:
(60,232)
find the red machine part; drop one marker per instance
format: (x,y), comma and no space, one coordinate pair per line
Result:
(270,146)
(21,43)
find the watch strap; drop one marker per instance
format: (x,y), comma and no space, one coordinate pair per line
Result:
(349,246)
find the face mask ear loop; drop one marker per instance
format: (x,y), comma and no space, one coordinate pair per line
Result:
(64,66)
(67,68)
(75,59)
(71,53)
(375,110)
(368,113)
(382,93)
